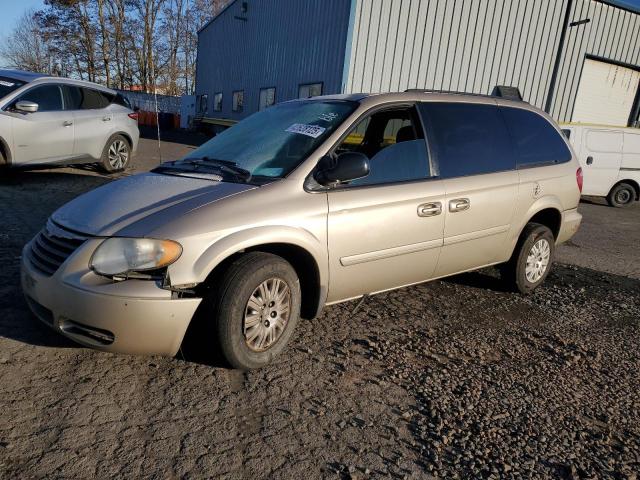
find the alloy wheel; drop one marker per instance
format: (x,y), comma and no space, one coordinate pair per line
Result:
(118,154)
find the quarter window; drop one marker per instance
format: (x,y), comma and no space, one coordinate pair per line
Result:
(394,143)
(309,90)
(217,102)
(536,141)
(48,98)
(267,97)
(238,101)
(467,138)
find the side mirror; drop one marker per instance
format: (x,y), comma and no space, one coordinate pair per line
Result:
(347,167)
(26,106)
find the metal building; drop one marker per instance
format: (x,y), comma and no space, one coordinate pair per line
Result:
(578,59)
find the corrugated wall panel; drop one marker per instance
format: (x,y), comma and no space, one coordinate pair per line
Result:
(282,43)
(472,45)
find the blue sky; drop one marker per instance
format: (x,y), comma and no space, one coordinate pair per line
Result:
(12,10)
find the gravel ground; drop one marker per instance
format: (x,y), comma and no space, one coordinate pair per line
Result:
(451,379)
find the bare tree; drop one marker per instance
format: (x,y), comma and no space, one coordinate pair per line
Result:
(121,43)
(25,48)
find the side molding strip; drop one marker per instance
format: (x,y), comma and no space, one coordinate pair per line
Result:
(389,252)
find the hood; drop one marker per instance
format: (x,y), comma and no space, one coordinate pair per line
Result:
(130,202)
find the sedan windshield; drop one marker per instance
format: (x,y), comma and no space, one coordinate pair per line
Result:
(273,142)
(8,85)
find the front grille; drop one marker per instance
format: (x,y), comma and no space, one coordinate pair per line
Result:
(52,246)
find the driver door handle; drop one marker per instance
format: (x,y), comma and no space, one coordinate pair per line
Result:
(429,209)
(459,205)
(68,123)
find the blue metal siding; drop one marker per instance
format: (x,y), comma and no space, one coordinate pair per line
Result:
(282,44)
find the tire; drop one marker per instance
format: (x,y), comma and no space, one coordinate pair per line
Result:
(239,292)
(515,272)
(116,154)
(621,195)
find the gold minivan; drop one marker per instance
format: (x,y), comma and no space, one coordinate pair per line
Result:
(306,204)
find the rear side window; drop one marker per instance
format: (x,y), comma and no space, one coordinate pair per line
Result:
(80,98)
(467,138)
(535,139)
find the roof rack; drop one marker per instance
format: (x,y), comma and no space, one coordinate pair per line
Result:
(501,91)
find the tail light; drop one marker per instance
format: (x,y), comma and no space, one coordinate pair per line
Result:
(579,179)
(134,116)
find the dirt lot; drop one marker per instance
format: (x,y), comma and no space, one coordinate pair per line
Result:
(454,379)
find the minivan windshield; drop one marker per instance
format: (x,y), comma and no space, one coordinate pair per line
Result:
(8,85)
(273,142)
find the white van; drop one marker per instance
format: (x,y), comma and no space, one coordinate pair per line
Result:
(610,160)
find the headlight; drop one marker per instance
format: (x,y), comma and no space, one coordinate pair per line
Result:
(118,256)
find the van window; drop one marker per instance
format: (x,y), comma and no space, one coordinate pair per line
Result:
(604,141)
(393,141)
(632,143)
(467,138)
(535,139)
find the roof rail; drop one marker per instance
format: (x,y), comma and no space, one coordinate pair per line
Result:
(504,91)
(509,93)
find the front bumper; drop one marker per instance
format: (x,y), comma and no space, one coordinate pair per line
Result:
(571,220)
(134,316)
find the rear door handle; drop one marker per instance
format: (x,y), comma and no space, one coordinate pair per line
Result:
(67,123)
(429,209)
(589,160)
(106,119)
(459,205)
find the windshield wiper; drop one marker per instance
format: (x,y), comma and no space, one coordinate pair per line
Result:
(225,165)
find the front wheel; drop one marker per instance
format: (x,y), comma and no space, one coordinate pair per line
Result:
(531,261)
(257,308)
(116,154)
(622,195)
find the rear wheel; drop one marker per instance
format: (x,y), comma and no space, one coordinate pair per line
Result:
(531,261)
(622,195)
(116,154)
(256,309)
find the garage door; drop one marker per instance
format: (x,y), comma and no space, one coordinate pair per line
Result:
(605,94)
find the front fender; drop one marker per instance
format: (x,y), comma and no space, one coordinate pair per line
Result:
(235,242)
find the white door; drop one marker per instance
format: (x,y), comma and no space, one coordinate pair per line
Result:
(93,120)
(605,94)
(600,157)
(47,135)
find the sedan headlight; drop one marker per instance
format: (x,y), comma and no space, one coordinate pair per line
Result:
(118,256)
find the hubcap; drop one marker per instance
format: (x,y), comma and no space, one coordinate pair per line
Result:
(538,260)
(118,154)
(266,314)
(623,196)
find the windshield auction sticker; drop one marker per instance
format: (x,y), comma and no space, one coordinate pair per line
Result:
(6,84)
(313,131)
